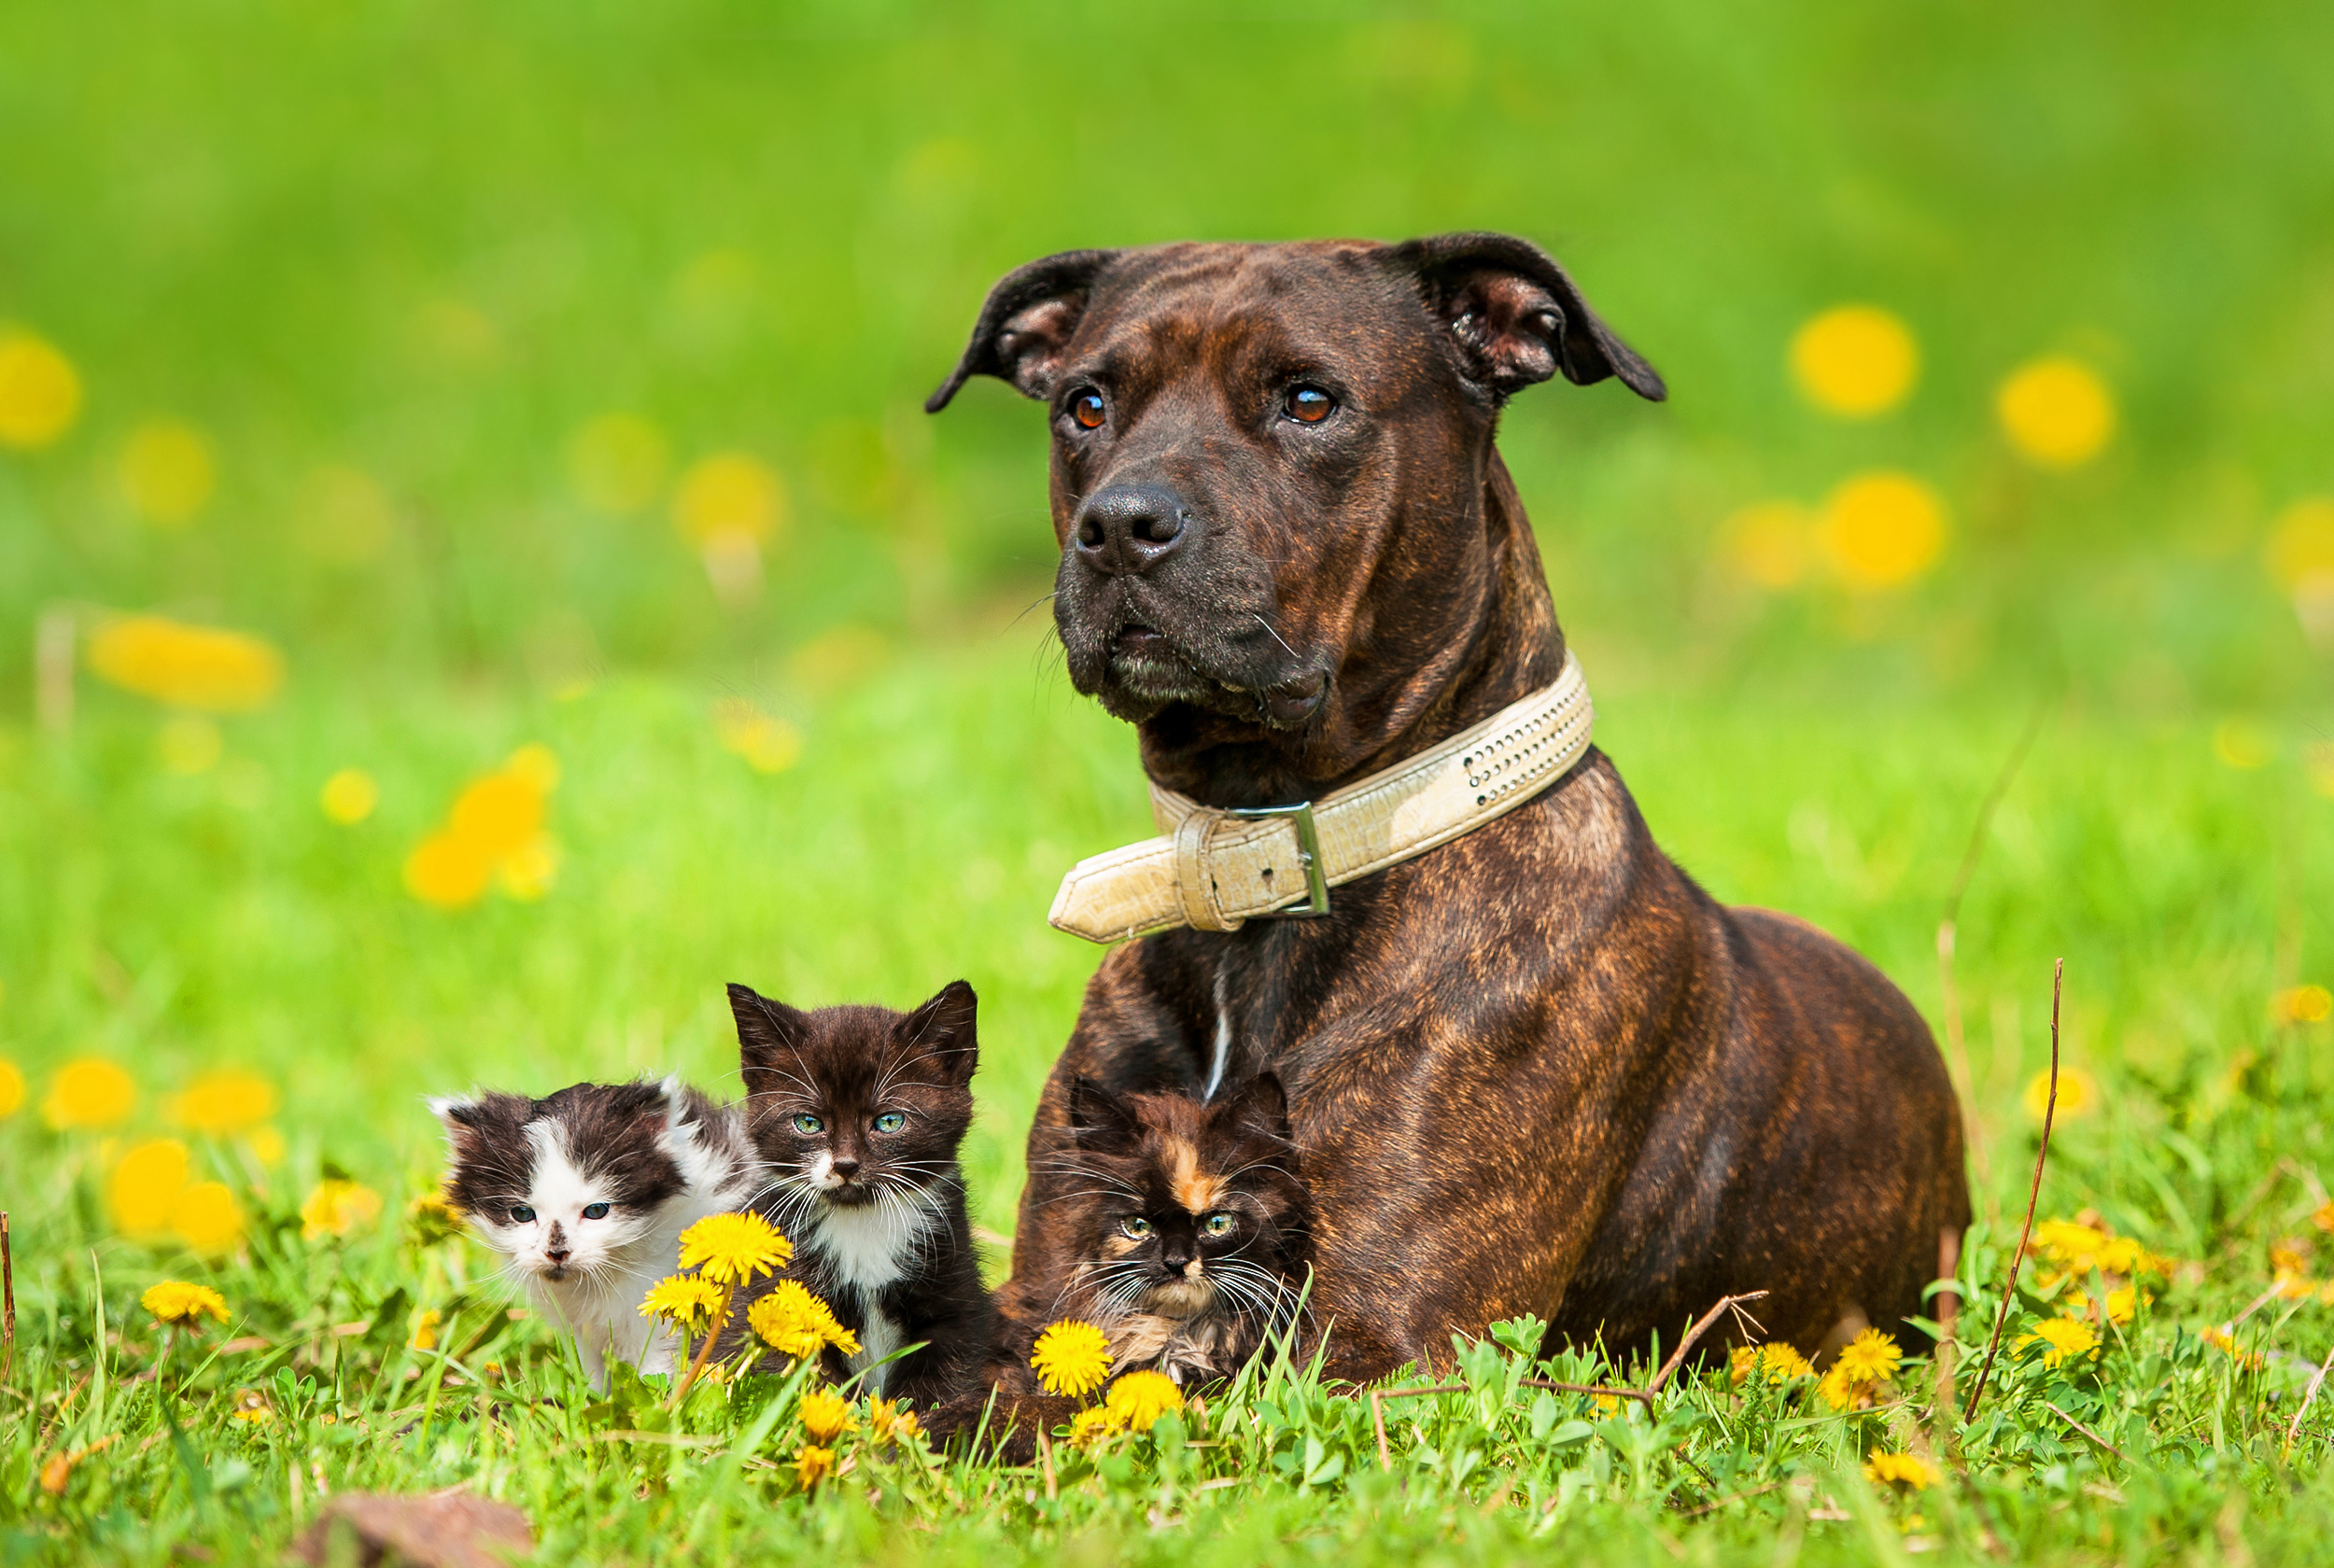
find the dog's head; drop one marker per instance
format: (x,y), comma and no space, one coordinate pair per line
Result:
(1269,461)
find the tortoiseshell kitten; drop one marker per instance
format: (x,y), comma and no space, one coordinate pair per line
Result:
(587,1191)
(857,1114)
(1196,1229)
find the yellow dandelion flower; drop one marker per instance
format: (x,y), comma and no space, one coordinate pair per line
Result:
(143,1187)
(1140,1398)
(888,1423)
(2226,1342)
(618,462)
(432,1219)
(182,1305)
(1842,1392)
(2067,1240)
(796,1323)
(1071,1359)
(2289,1254)
(2063,1339)
(89,1093)
(527,872)
(266,1143)
(40,391)
(2056,412)
(1608,1404)
(204,667)
(166,473)
(767,744)
(11,1087)
(224,1102)
(1882,530)
(349,796)
(1871,1357)
(498,815)
(251,1406)
(683,1300)
(337,1207)
(1091,1426)
(826,1415)
(2078,1095)
(426,1326)
(2123,1304)
(535,764)
(447,871)
(1855,361)
(207,1219)
(813,1465)
(2302,1005)
(2323,1217)
(1909,1471)
(732,1249)
(1775,1363)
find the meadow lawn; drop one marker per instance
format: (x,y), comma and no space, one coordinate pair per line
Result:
(537,400)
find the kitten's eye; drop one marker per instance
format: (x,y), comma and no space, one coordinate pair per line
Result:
(891,1121)
(1217,1223)
(595,1210)
(521,1215)
(807,1125)
(1308,405)
(1086,410)
(1135,1225)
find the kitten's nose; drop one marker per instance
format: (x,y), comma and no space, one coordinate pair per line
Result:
(845,1165)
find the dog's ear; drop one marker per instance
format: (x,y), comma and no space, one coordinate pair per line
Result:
(1026,323)
(1518,319)
(946,1030)
(1100,1121)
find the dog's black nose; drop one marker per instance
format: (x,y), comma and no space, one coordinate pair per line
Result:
(1129,529)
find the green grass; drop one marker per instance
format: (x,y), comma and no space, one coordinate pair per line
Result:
(429,246)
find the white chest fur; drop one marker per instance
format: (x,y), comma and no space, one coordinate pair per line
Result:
(870,1249)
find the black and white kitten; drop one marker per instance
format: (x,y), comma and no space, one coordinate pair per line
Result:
(586,1193)
(857,1114)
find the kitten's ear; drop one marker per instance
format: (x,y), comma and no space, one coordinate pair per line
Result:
(945,1029)
(1260,1105)
(768,1032)
(454,1112)
(1102,1122)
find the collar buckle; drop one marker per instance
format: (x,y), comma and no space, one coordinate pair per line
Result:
(1308,853)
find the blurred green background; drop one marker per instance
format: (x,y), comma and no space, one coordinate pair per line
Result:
(380,269)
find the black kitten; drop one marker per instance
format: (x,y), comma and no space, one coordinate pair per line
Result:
(1194,1228)
(857,1113)
(587,1191)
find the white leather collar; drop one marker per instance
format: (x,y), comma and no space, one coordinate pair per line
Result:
(1214,870)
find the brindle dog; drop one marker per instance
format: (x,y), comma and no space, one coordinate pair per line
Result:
(1536,1069)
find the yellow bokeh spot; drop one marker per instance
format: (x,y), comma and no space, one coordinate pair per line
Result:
(426,1324)
(2302,543)
(618,462)
(344,517)
(2056,412)
(767,744)
(188,745)
(89,1093)
(146,1184)
(349,796)
(1882,530)
(337,1207)
(2302,1005)
(1769,543)
(730,495)
(446,871)
(536,764)
(204,667)
(266,1145)
(168,474)
(11,1088)
(2244,744)
(40,391)
(207,1218)
(224,1101)
(1855,360)
(2078,1095)
(498,815)
(527,872)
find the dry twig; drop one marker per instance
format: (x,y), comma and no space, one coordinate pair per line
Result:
(2009,1286)
(2316,1381)
(2085,1430)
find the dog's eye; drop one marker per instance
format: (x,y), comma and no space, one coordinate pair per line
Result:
(1219,1224)
(1308,405)
(1135,1225)
(595,1210)
(891,1121)
(809,1125)
(521,1215)
(1087,410)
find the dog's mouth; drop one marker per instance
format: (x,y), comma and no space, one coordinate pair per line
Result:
(1149,666)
